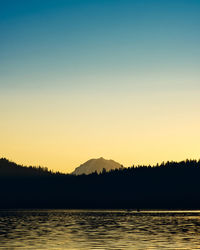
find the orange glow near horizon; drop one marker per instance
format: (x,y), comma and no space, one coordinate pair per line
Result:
(61,131)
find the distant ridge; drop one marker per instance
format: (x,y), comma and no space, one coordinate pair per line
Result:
(96,165)
(9,169)
(170,185)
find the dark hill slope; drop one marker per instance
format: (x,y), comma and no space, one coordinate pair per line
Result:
(8,168)
(167,186)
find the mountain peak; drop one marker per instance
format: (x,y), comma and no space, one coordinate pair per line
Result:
(96,165)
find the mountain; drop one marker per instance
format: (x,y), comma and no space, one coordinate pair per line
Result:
(96,165)
(170,185)
(9,169)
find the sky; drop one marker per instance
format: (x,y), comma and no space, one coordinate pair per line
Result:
(85,79)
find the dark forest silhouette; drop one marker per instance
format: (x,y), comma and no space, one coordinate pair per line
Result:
(170,185)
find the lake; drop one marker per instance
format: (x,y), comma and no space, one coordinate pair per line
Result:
(99,229)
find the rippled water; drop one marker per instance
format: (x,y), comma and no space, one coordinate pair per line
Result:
(89,229)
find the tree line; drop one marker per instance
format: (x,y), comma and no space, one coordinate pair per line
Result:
(169,185)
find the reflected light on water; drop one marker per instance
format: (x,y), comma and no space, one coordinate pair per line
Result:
(90,229)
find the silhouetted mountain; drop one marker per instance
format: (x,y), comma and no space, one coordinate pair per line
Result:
(96,165)
(8,168)
(170,185)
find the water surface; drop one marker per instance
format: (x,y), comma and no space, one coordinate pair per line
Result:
(92,229)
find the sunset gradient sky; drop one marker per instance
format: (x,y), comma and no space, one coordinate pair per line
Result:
(112,78)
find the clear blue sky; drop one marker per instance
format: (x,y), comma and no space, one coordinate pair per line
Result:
(132,56)
(45,40)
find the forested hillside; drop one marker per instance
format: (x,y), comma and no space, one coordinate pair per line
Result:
(170,185)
